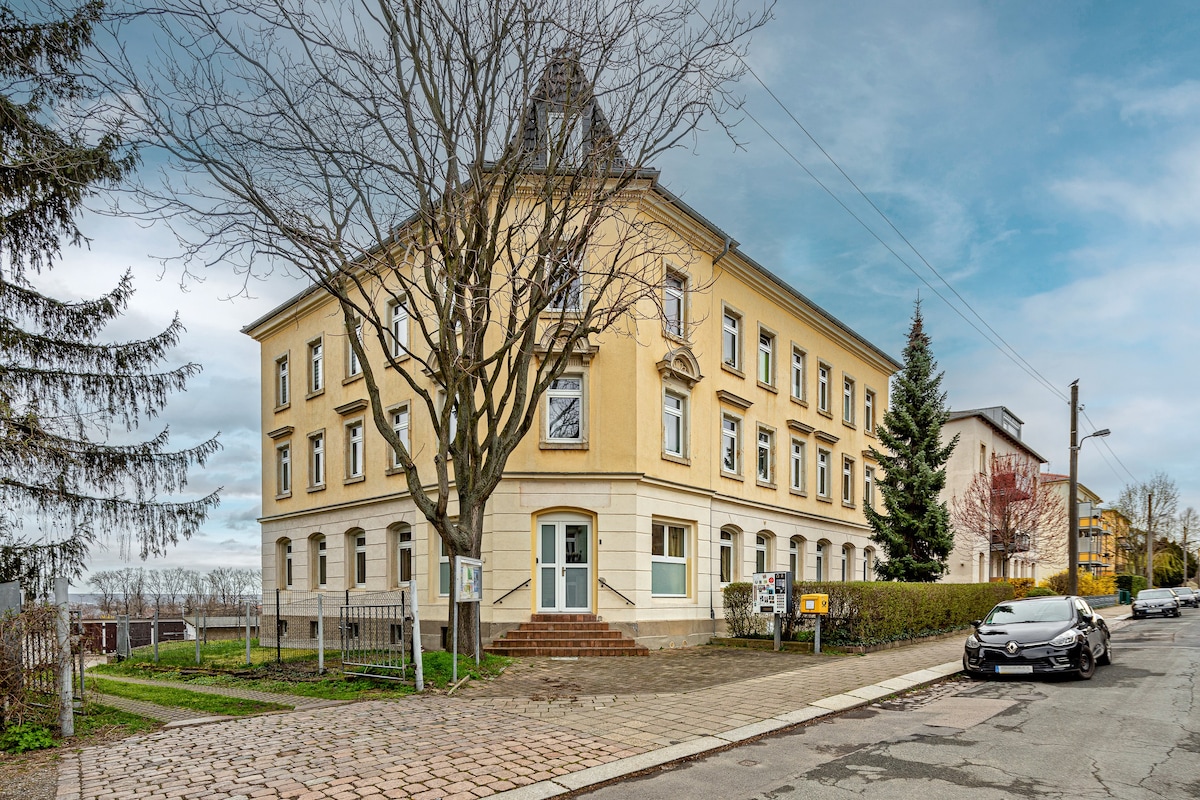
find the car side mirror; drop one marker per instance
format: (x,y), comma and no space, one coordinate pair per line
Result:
(975,623)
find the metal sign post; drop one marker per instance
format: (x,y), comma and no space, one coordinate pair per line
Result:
(416,637)
(468,573)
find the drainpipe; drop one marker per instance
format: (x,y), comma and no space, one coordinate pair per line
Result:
(728,246)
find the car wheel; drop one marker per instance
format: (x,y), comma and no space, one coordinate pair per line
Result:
(1106,657)
(1087,663)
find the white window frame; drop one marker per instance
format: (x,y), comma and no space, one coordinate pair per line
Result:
(765,362)
(868,557)
(443,567)
(401,420)
(869,411)
(321,561)
(671,533)
(795,558)
(283,469)
(762,552)
(731,443)
(398,319)
(731,339)
(823,371)
(798,472)
(764,463)
(569,297)
(353,367)
(847,562)
(799,368)
(823,487)
(820,561)
(404,553)
(674,308)
(675,419)
(727,549)
(848,389)
(316,366)
(316,459)
(847,481)
(355,450)
(868,486)
(562,393)
(288,565)
(360,560)
(283,387)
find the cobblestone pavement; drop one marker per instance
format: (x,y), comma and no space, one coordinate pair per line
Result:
(543,728)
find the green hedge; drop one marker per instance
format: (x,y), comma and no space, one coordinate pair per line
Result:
(1131,583)
(875,612)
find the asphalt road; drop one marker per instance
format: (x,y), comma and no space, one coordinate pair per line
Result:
(1131,732)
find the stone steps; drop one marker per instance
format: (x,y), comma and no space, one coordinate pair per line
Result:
(565,636)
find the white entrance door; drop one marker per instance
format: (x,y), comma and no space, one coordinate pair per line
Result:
(564,570)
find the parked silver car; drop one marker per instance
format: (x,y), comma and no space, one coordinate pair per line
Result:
(1187,596)
(1155,601)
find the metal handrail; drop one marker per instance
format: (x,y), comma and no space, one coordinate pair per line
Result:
(510,591)
(604,583)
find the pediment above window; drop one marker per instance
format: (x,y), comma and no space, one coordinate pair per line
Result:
(554,340)
(680,365)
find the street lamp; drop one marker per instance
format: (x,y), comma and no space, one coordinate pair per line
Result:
(1073,492)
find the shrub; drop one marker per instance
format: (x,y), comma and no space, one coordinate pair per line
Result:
(24,737)
(1021,586)
(1040,591)
(1089,585)
(740,619)
(1131,583)
(874,612)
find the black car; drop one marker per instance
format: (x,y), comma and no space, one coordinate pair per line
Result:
(1155,601)
(1187,596)
(1038,635)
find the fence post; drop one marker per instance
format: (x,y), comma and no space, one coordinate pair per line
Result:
(154,635)
(196,615)
(247,633)
(320,635)
(278,650)
(416,636)
(66,710)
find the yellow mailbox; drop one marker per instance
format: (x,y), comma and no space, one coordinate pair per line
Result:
(814,604)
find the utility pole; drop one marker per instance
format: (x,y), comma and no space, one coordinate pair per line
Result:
(1149,540)
(1185,552)
(1073,498)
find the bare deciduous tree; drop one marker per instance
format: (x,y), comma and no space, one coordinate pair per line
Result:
(486,167)
(1008,510)
(1150,505)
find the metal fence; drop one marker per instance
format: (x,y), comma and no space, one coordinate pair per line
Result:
(295,621)
(376,640)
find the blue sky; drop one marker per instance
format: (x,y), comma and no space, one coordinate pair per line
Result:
(1044,158)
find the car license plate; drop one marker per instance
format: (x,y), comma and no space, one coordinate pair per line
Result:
(1015,669)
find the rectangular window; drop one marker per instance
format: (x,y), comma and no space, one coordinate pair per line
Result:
(283,463)
(564,409)
(823,387)
(668,560)
(760,554)
(731,444)
(354,450)
(868,487)
(726,557)
(398,328)
(797,373)
(353,367)
(282,382)
(443,569)
(765,456)
(322,563)
(400,427)
(869,411)
(360,560)
(287,573)
(404,556)
(564,282)
(673,294)
(847,480)
(316,366)
(673,424)
(766,357)
(822,472)
(316,459)
(731,344)
(794,559)
(797,465)
(847,400)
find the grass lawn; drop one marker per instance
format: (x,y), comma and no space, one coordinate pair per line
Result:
(224,664)
(97,719)
(182,698)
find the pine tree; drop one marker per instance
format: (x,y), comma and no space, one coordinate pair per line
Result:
(915,531)
(63,389)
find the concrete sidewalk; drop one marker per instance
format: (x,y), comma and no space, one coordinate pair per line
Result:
(480,744)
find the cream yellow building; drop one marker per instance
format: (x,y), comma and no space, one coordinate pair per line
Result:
(723,430)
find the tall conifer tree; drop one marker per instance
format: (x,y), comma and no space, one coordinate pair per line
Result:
(62,388)
(913,528)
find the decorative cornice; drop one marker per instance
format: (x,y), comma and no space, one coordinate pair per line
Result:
(799,427)
(279,433)
(733,400)
(349,408)
(679,364)
(828,438)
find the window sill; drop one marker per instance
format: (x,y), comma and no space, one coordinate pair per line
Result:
(823,499)
(687,462)
(848,505)
(849,425)
(678,338)
(315,393)
(355,479)
(732,370)
(800,401)
(545,445)
(283,407)
(351,379)
(398,359)
(765,484)
(393,470)
(320,487)
(283,495)
(798,492)
(825,413)
(733,476)
(768,387)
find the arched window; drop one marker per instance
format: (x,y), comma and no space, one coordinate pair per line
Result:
(868,564)
(761,552)
(318,554)
(356,558)
(796,557)
(820,561)
(285,561)
(403,549)
(726,560)
(847,562)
